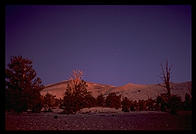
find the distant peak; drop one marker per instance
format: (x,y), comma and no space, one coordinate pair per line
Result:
(133,85)
(62,82)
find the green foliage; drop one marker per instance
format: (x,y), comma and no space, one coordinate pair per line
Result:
(113,101)
(22,86)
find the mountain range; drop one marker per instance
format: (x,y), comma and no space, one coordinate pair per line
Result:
(130,90)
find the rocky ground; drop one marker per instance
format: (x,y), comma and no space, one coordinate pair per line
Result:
(99,121)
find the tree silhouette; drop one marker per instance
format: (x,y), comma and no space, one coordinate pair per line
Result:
(76,93)
(90,101)
(174,103)
(141,104)
(126,104)
(132,105)
(162,101)
(188,102)
(114,101)
(22,86)
(166,76)
(168,101)
(100,100)
(150,104)
(49,102)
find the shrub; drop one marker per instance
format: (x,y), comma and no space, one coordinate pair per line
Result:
(113,101)
(162,101)
(71,104)
(150,104)
(188,102)
(100,100)
(170,103)
(141,104)
(61,103)
(174,103)
(89,101)
(132,106)
(126,104)
(48,102)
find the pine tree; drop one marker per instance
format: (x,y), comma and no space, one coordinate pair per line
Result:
(90,101)
(22,86)
(100,100)
(188,102)
(113,100)
(49,101)
(174,103)
(75,94)
(126,104)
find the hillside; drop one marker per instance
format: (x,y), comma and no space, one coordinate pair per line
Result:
(130,90)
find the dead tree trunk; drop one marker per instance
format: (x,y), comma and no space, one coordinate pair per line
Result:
(166,76)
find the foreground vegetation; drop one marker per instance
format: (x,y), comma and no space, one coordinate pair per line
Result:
(23,93)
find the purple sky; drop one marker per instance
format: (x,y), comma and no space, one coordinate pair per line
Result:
(112,44)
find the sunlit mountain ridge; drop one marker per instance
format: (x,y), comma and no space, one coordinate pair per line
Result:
(130,90)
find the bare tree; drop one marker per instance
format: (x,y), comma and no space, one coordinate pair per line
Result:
(166,76)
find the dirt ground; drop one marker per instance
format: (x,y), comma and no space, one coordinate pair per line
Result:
(100,121)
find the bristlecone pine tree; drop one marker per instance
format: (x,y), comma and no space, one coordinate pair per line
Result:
(75,94)
(172,102)
(22,86)
(166,77)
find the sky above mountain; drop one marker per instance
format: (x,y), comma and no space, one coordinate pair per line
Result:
(111,44)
